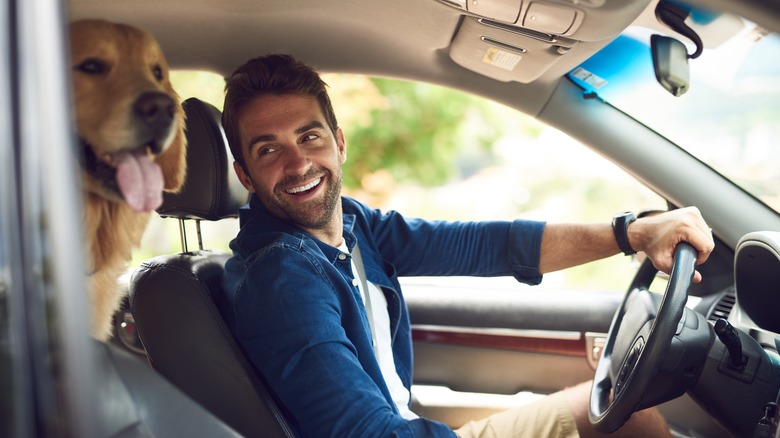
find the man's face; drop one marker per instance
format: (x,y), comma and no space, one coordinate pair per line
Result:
(293,160)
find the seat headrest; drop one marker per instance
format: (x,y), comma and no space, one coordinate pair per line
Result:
(211,190)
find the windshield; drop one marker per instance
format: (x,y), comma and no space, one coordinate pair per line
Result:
(729,118)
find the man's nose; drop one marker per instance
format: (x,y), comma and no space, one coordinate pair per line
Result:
(296,160)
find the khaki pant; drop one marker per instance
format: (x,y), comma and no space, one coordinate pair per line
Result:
(548,417)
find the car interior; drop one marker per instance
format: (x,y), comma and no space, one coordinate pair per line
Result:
(710,363)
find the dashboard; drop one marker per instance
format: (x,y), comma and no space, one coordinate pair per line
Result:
(757,282)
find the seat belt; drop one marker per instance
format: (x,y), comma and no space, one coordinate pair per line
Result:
(358,259)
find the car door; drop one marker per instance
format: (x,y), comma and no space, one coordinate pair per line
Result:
(480,350)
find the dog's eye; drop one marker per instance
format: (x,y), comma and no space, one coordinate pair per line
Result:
(157,72)
(92,66)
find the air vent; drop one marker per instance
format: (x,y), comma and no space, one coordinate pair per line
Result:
(723,307)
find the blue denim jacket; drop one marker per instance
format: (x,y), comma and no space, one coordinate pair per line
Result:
(291,304)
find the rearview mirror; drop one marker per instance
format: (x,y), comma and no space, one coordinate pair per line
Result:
(670,62)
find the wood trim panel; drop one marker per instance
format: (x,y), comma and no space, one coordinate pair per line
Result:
(541,343)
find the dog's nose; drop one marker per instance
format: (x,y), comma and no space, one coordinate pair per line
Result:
(155,110)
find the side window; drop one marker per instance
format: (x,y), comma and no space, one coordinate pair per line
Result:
(437,153)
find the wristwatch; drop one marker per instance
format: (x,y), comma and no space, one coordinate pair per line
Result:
(620,225)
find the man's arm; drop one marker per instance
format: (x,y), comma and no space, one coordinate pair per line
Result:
(418,247)
(567,245)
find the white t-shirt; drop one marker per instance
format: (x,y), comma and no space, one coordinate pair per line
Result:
(380,322)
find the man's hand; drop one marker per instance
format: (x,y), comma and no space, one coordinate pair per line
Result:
(657,236)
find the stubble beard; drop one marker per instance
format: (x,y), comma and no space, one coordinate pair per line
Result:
(315,214)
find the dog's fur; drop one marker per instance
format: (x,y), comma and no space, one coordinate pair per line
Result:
(130,124)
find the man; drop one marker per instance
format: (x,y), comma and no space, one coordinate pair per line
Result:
(312,292)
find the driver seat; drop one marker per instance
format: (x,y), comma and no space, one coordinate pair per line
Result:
(173,296)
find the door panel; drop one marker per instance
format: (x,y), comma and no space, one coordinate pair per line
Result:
(524,308)
(493,370)
(492,349)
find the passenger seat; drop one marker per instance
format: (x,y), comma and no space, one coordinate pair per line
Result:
(172,296)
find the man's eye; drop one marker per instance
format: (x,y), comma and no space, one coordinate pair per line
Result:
(309,137)
(265,151)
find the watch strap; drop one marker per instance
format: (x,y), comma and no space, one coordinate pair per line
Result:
(620,225)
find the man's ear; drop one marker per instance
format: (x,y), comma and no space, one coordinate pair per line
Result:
(246,181)
(341,143)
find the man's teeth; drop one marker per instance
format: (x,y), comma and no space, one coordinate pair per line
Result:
(305,187)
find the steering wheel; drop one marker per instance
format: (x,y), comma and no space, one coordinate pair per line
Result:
(638,340)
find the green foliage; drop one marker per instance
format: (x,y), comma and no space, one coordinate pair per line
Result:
(416,132)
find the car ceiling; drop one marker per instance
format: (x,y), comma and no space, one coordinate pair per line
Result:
(404,38)
(408,39)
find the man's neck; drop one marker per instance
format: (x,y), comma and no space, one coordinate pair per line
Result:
(333,233)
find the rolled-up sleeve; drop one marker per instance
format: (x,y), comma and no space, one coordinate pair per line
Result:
(524,250)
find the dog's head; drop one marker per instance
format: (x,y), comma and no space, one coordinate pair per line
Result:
(128,117)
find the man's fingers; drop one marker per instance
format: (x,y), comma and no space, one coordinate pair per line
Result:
(700,235)
(704,244)
(667,230)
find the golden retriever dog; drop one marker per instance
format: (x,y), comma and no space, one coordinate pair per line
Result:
(130,124)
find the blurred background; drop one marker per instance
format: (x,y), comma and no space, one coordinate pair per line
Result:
(436,153)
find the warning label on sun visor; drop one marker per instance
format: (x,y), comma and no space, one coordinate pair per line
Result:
(501,58)
(589,78)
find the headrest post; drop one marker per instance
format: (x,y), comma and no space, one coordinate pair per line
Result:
(211,190)
(200,239)
(183,235)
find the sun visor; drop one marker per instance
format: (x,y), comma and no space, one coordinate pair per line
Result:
(506,53)
(581,20)
(622,67)
(519,40)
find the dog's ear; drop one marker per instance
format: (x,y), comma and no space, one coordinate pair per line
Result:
(173,161)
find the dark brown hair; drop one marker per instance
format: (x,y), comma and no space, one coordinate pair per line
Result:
(274,75)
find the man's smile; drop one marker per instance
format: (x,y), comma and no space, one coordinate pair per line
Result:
(304,188)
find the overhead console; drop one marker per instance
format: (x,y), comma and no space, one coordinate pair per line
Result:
(519,40)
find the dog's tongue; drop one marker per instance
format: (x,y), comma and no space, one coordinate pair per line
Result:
(140,181)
